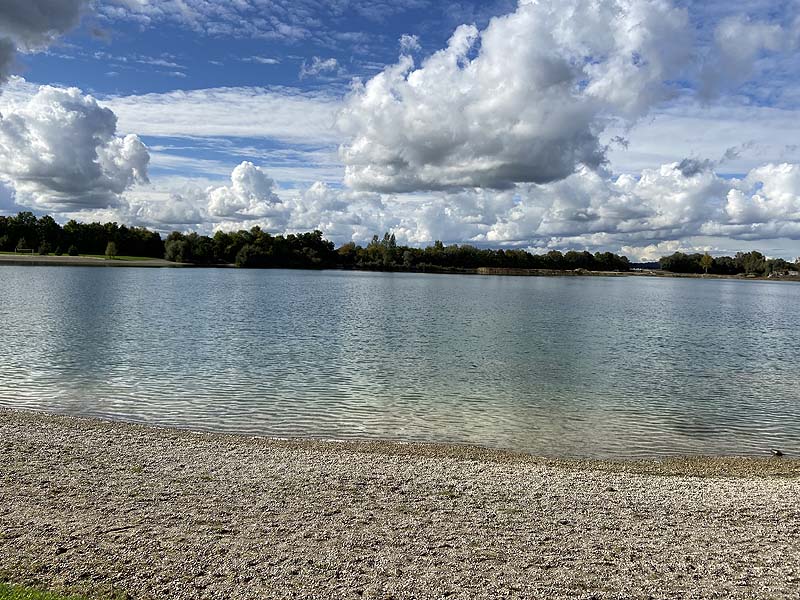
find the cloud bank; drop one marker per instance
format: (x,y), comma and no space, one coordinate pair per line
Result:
(659,209)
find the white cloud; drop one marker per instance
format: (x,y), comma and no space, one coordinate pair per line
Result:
(738,42)
(522,101)
(748,135)
(409,44)
(249,196)
(176,212)
(284,114)
(60,151)
(261,60)
(283,20)
(319,66)
(653,252)
(768,194)
(677,206)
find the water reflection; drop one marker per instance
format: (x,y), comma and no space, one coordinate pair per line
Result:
(560,366)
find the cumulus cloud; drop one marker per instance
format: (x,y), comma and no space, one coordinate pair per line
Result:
(175,212)
(59,151)
(250,196)
(653,213)
(768,194)
(32,25)
(659,206)
(522,101)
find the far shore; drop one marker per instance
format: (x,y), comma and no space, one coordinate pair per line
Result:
(87,261)
(103,508)
(35,260)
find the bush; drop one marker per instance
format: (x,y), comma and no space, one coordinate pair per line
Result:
(58,251)
(73,250)
(44,249)
(111,250)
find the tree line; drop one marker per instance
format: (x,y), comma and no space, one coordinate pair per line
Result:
(45,236)
(258,249)
(744,263)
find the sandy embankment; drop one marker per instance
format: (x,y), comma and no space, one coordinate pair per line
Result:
(158,513)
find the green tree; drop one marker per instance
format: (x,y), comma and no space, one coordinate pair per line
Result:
(72,250)
(706,262)
(111,250)
(752,262)
(176,250)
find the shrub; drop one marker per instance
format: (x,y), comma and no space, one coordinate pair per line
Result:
(73,250)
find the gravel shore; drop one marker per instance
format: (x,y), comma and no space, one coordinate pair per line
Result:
(113,509)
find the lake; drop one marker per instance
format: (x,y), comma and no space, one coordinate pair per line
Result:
(566,366)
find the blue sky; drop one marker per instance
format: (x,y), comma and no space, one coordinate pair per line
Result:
(134,54)
(635,126)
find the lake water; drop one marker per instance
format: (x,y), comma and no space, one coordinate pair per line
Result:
(593,367)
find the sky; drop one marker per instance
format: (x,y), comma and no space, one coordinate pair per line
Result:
(642,127)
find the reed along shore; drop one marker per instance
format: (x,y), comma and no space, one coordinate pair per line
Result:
(117,510)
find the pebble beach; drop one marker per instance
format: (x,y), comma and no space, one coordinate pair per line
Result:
(115,510)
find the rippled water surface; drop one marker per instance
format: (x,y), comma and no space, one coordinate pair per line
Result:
(598,367)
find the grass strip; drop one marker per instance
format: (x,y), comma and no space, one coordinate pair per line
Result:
(17,592)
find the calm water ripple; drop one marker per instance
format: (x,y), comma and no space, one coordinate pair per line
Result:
(598,367)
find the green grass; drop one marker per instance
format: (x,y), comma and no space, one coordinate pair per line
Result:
(126,258)
(16,592)
(118,257)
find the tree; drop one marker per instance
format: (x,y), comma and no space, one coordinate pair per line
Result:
(751,262)
(706,262)
(72,250)
(22,244)
(111,250)
(176,249)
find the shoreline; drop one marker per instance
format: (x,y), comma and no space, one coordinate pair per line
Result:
(95,507)
(83,261)
(697,465)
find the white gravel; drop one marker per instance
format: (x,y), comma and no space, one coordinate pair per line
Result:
(115,509)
